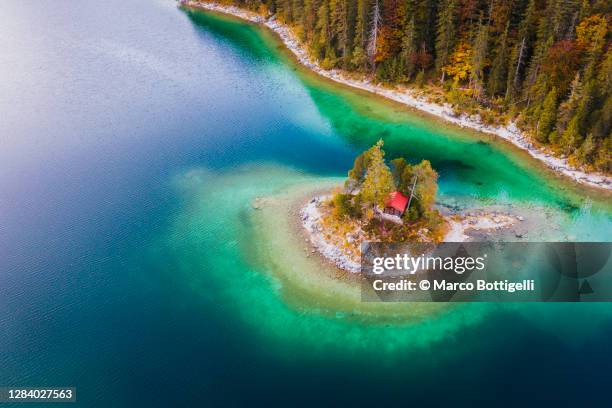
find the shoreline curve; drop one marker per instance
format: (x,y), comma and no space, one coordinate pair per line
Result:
(405,96)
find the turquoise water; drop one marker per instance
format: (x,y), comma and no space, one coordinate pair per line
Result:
(134,137)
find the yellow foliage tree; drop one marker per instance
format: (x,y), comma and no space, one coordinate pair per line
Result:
(460,65)
(591,32)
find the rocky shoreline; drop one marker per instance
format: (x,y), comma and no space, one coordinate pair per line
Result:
(476,224)
(311,215)
(407,97)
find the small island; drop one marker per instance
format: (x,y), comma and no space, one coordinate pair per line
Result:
(395,203)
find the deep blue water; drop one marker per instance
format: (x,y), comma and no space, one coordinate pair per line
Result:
(102,105)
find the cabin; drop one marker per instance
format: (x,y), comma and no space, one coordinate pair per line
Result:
(396,204)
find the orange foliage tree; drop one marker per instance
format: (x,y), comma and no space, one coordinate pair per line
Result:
(460,63)
(391,33)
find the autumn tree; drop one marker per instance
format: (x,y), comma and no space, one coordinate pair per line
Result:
(426,188)
(460,63)
(424,179)
(389,40)
(561,65)
(378,181)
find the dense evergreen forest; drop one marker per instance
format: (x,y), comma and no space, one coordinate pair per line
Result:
(545,63)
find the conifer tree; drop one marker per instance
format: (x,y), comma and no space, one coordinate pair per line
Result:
(408,48)
(376,25)
(534,86)
(323,29)
(520,51)
(340,24)
(308,20)
(605,72)
(499,69)
(445,38)
(361,22)
(574,134)
(567,109)
(357,173)
(564,17)
(548,116)
(479,58)
(426,188)
(586,152)
(378,182)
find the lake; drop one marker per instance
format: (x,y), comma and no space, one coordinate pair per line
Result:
(134,136)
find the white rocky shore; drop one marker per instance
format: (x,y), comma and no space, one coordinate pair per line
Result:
(311,218)
(405,96)
(462,226)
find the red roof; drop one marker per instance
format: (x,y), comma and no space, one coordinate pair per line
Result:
(398,201)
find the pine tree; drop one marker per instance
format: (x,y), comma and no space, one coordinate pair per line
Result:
(603,157)
(585,10)
(605,72)
(426,188)
(378,182)
(376,24)
(574,134)
(535,87)
(479,59)
(340,24)
(308,20)
(520,51)
(446,35)
(408,48)
(397,170)
(323,38)
(567,109)
(602,127)
(359,53)
(586,152)
(499,69)
(548,116)
(564,17)
(571,137)
(360,166)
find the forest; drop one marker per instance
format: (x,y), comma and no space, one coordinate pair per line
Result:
(547,64)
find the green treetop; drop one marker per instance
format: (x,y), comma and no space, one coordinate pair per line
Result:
(378,182)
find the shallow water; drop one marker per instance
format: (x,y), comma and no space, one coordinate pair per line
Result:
(133,138)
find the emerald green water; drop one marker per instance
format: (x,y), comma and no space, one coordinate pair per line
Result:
(135,267)
(474,170)
(470,164)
